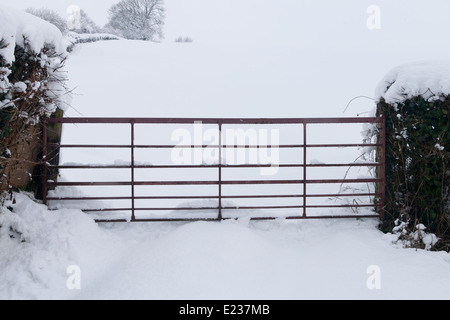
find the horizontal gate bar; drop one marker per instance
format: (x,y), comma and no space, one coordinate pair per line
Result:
(268,196)
(231,208)
(99,146)
(193,208)
(287,146)
(287,165)
(214,120)
(87,198)
(322,217)
(83,166)
(239,182)
(252,219)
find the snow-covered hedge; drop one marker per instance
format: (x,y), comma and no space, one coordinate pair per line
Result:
(415,99)
(32,54)
(32,86)
(72,38)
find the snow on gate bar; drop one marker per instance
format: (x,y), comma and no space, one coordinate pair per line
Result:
(355,197)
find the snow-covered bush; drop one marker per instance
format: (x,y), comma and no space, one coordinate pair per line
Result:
(32,87)
(415,237)
(415,99)
(180,39)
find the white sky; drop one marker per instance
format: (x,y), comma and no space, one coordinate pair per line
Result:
(310,23)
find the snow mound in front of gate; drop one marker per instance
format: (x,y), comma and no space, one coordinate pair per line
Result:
(37,246)
(229,260)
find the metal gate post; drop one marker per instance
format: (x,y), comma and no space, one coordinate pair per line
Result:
(133,217)
(304,169)
(220,171)
(383,166)
(44,162)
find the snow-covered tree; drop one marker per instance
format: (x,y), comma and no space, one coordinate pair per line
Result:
(185,39)
(87,25)
(137,19)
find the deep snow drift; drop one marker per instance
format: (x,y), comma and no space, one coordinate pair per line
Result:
(227,260)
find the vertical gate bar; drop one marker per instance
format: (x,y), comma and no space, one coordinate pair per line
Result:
(44,162)
(133,217)
(220,171)
(304,169)
(383,166)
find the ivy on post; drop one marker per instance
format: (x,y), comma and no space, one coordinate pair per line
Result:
(416,104)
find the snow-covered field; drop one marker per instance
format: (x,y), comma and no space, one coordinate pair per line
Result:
(228,260)
(64,255)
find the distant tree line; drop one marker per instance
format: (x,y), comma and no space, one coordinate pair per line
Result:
(86,24)
(129,19)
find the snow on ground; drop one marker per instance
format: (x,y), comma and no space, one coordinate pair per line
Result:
(227,260)
(38,245)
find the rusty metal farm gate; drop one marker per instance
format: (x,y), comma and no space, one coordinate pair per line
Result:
(217,201)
